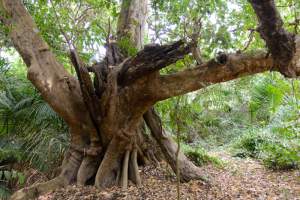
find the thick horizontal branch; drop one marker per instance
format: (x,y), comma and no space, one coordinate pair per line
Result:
(152,58)
(280,42)
(234,66)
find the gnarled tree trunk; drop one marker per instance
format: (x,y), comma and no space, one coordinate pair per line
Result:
(106,115)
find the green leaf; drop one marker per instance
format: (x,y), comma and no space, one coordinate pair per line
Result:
(21,178)
(7,175)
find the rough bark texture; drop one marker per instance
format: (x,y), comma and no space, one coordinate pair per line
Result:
(132,22)
(280,42)
(105,116)
(152,58)
(224,68)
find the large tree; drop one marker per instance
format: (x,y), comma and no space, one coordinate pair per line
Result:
(106,116)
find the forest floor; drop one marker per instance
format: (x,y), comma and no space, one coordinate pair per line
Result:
(238,179)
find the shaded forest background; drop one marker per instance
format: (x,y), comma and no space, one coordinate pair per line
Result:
(255,116)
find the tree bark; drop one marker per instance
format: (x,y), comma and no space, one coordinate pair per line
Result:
(131,24)
(226,68)
(280,42)
(151,59)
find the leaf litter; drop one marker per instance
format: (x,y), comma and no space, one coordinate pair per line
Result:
(239,179)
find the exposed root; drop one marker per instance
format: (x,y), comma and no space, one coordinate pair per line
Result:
(118,165)
(142,157)
(134,173)
(87,169)
(70,168)
(108,170)
(91,151)
(152,157)
(124,179)
(34,191)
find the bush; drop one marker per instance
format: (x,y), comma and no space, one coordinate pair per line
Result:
(9,155)
(276,151)
(4,192)
(29,125)
(9,179)
(249,144)
(279,157)
(200,157)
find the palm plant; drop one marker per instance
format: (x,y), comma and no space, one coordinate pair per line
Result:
(26,120)
(274,134)
(30,130)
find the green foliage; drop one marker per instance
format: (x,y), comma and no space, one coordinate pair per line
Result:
(249,144)
(127,47)
(281,156)
(267,95)
(85,23)
(9,178)
(173,19)
(212,116)
(29,129)
(12,175)
(9,154)
(237,110)
(4,193)
(255,116)
(273,149)
(200,157)
(275,138)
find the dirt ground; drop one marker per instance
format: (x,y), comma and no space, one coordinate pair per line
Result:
(239,179)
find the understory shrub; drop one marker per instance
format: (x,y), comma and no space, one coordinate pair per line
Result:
(273,135)
(275,151)
(280,157)
(200,157)
(249,144)
(9,179)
